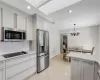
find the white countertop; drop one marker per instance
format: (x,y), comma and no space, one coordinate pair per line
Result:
(83,56)
(2,58)
(29,52)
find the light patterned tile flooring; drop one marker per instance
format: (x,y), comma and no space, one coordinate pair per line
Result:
(58,70)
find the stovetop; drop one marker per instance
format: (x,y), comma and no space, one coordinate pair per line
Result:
(14,54)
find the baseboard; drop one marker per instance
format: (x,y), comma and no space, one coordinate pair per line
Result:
(54,55)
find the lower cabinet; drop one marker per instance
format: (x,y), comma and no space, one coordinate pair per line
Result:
(83,70)
(24,74)
(75,70)
(2,70)
(20,71)
(88,70)
(2,74)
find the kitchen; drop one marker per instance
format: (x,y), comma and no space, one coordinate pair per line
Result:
(30,40)
(18,30)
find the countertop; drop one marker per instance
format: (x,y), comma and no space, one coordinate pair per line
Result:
(29,53)
(2,58)
(83,56)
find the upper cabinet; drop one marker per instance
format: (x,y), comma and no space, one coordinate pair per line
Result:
(7,18)
(12,18)
(40,23)
(29,28)
(21,22)
(0,17)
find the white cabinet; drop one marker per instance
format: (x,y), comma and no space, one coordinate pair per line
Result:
(40,23)
(0,25)
(0,17)
(75,69)
(88,70)
(7,18)
(83,69)
(97,73)
(29,28)
(2,75)
(2,71)
(20,68)
(43,24)
(21,22)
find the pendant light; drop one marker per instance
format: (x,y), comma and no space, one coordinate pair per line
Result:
(75,33)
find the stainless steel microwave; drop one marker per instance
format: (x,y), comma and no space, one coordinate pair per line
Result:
(11,34)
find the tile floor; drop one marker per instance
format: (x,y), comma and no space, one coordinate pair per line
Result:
(58,70)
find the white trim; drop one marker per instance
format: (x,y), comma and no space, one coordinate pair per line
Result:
(52,56)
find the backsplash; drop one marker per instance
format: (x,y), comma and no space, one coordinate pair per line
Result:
(10,47)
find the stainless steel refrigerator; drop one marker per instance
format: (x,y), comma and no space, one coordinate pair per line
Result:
(42,50)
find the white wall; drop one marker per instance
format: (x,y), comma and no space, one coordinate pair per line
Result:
(10,47)
(54,41)
(88,38)
(54,38)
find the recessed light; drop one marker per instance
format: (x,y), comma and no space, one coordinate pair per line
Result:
(28,7)
(70,11)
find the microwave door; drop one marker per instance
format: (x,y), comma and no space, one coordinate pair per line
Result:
(8,35)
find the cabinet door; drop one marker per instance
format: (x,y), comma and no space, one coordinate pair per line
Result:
(7,18)
(46,25)
(21,22)
(75,69)
(0,17)
(40,23)
(88,70)
(29,28)
(2,74)
(0,25)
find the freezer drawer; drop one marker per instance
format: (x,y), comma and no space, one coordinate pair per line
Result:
(43,63)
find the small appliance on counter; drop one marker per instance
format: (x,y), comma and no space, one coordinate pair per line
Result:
(12,34)
(42,50)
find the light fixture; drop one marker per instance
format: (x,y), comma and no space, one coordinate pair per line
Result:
(70,11)
(75,33)
(29,7)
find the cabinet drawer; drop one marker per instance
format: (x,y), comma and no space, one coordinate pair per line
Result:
(33,70)
(19,68)
(33,62)
(2,64)
(2,74)
(24,74)
(17,60)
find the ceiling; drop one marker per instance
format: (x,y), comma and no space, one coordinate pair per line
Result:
(55,5)
(22,5)
(37,3)
(40,6)
(85,13)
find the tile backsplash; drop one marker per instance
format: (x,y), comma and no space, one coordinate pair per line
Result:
(10,47)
